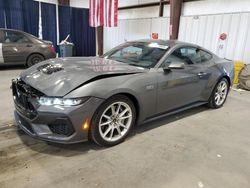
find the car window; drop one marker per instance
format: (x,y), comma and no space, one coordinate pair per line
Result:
(187,55)
(138,54)
(14,37)
(205,56)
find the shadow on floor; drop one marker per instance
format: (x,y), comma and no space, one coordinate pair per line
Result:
(12,67)
(85,147)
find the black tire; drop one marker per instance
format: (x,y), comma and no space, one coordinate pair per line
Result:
(95,134)
(34,59)
(212,100)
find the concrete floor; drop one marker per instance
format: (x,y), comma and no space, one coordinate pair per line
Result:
(198,148)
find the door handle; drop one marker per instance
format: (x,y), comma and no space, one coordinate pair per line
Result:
(202,74)
(28,45)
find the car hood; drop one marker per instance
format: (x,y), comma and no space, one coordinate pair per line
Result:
(58,77)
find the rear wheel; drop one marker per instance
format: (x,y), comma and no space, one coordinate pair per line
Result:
(34,59)
(113,121)
(219,94)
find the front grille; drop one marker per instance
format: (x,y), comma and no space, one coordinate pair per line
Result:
(62,127)
(25,97)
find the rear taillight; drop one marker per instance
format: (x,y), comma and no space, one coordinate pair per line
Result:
(51,47)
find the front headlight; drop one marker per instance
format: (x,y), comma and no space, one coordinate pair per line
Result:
(49,101)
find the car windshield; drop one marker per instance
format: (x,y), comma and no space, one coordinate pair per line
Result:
(138,54)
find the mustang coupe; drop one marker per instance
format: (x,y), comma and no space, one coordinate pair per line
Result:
(69,100)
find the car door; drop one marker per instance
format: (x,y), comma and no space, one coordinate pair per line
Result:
(16,46)
(180,87)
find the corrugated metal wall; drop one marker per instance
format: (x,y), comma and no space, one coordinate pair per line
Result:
(133,29)
(205,31)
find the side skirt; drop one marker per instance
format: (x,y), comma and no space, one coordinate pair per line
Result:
(175,111)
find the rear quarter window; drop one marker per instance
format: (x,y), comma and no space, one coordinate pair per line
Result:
(205,56)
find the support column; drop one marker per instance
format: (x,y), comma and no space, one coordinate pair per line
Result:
(99,40)
(161,8)
(175,13)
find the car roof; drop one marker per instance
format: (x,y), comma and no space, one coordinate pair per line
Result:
(169,43)
(4,29)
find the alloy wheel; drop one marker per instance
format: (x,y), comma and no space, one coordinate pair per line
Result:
(221,93)
(115,121)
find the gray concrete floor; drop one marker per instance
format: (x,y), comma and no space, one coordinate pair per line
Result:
(197,148)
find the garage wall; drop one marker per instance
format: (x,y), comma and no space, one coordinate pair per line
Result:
(132,29)
(79,3)
(205,31)
(205,7)
(201,22)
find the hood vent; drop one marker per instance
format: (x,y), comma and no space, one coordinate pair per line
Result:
(49,69)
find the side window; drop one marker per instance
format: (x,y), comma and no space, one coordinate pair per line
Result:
(191,55)
(187,55)
(205,56)
(14,37)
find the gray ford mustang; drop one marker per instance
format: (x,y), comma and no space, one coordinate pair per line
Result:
(70,100)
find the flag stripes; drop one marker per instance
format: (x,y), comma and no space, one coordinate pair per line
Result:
(103,13)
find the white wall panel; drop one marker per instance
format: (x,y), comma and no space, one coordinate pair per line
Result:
(205,31)
(242,37)
(216,32)
(79,3)
(148,12)
(202,22)
(233,36)
(134,29)
(160,26)
(123,3)
(205,7)
(139,29)
(208,32)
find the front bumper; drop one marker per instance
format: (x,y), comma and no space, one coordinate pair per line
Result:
(59,124)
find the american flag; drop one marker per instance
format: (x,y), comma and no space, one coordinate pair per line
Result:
(103,13)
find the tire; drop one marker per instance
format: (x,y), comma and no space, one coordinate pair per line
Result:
(34,59)
(219,95)
(107,127)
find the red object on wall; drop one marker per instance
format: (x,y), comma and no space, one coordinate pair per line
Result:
(154,35)
(223,36)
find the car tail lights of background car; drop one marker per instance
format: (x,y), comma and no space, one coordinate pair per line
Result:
(52,49)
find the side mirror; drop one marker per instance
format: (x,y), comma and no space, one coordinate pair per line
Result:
(174,65)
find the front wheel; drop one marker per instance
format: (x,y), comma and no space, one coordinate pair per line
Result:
(113,121)
(219,94)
